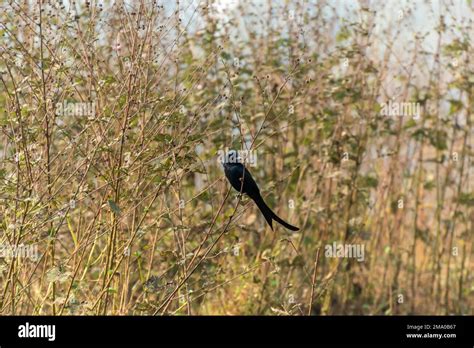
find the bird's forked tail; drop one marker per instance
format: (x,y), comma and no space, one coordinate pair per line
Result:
(270,215)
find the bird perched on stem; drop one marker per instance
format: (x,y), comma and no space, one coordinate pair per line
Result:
(241,180)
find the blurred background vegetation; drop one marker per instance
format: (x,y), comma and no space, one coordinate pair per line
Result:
(112,116)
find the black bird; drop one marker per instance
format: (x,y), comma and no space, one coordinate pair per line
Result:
(241,180)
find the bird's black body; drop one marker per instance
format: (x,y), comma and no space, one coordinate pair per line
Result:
(241,180)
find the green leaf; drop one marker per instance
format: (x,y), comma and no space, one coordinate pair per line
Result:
(225,55)
(429,185)
(298,261)
(419,134)
(410,124)
(438,139)
(456,106)
(466,198)
(122,100)
(343,34)
(369,181)
(340,94)
(163,137)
